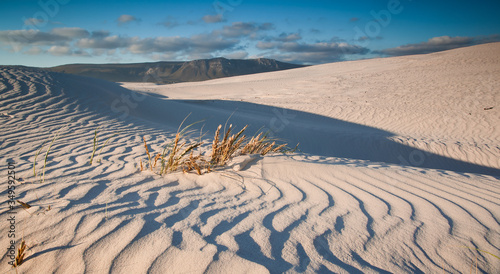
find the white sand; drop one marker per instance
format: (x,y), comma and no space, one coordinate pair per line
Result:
(399,171)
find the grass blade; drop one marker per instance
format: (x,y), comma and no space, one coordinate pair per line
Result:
(47,154)
(95,146)
(102,147)
(36,156)
(147,152)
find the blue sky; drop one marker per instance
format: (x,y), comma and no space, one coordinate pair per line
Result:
(54,32)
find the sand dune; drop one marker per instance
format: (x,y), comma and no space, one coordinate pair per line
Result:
(394,174)
(432,102)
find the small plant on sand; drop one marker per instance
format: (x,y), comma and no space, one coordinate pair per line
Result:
(173,153)
(42,176)
(36,156)
(103,145)
(151,161)
(176,155)
(21,252)
(46,158)
(147,153)
(262,145)
(475,262)
(223,150)
(179,154)
(171,158)
(96,144)
(196,163)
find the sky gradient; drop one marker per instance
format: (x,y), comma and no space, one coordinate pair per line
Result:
(55,32)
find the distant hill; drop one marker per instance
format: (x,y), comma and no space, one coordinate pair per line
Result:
(174,72)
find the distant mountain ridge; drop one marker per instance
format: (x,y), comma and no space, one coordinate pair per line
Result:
(175,72)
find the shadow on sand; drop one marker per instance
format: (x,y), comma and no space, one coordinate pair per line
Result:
(317,135)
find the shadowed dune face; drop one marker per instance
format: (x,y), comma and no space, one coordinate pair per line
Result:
(348,204)
(443,103)
(317,135)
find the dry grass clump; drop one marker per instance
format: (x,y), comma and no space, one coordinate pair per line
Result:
(223,150)
(180,154)
(172,157)
(262,145)
(196,163)
(20,254)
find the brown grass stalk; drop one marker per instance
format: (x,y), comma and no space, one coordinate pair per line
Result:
(147,152)
(179,154)
(172,159)
(156,159)
(225,149)
(215,145)
(196,163)
(20,254)
(262,145)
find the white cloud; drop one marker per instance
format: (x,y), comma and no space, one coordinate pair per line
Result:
(314,53)
(438,44)
(237,55)
(266,45)
(100,33)
(241,29)
(201,44)
(107,42)
(31,37)
(59,50)
(33,22)
(57,36)
(126,18)
(157,44)
(66,51)
(71,32)
(324,47)
(34,51)
(231,41)
(213,18)
(288,37)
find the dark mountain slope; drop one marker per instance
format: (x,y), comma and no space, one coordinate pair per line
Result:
(174,72)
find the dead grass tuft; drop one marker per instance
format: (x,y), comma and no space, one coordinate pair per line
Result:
(21,252)
(179,154)
(225,149)
(147,152)
(262,145)
(196,163)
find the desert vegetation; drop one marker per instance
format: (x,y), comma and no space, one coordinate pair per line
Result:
(180,154)
(47,152)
